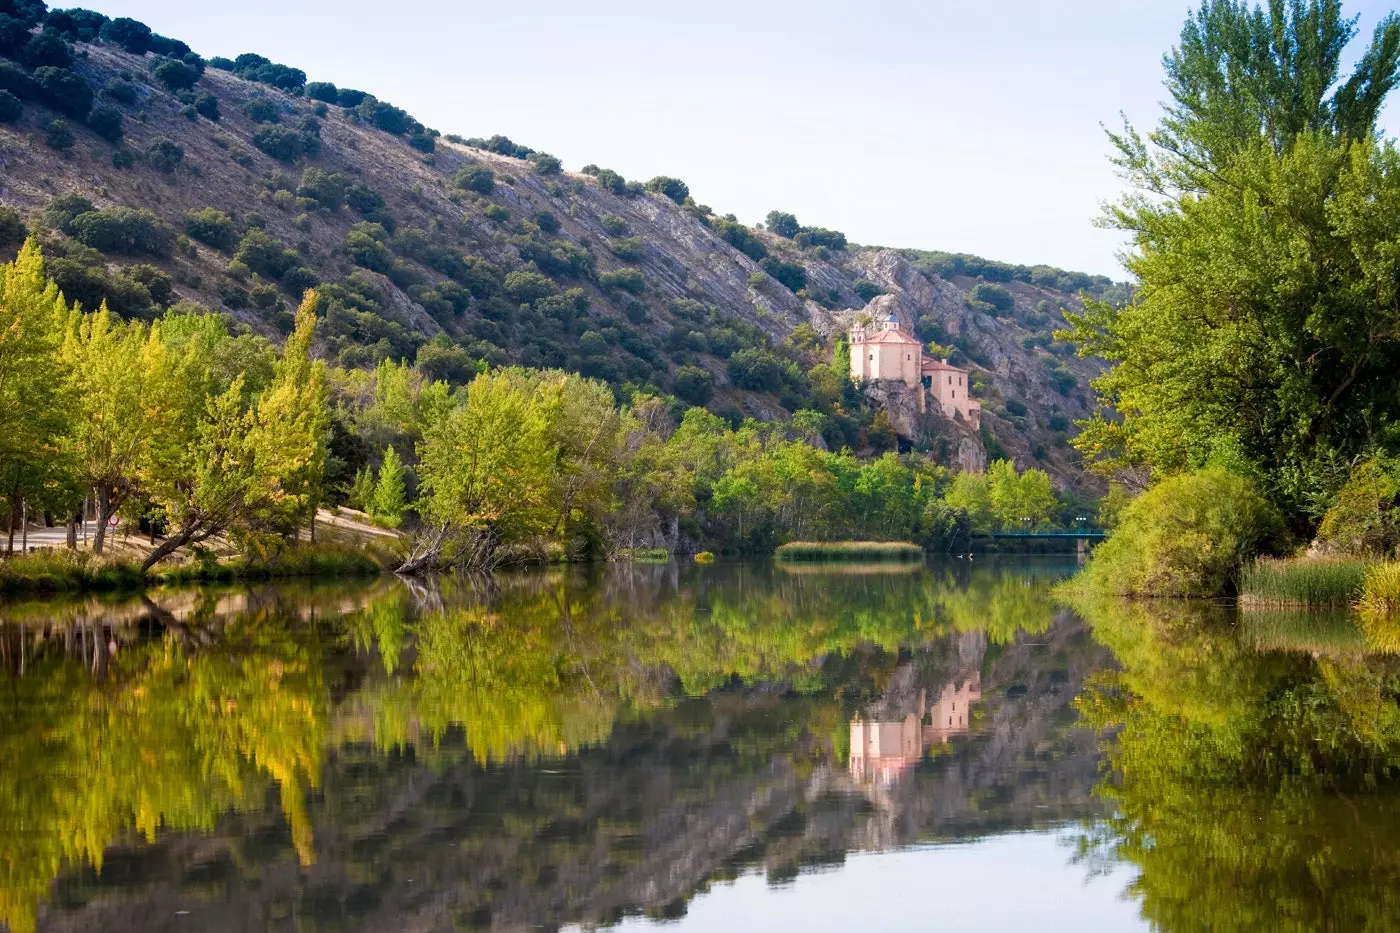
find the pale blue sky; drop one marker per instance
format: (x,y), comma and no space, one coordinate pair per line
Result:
(966,126)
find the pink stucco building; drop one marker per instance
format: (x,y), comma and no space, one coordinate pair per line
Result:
(889,354)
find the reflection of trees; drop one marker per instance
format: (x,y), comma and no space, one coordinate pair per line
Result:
(233,696)
(1253,788)
(171,738)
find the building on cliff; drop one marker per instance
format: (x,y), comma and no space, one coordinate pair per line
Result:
(890,355)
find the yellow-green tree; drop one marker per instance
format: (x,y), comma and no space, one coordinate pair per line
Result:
(35,403)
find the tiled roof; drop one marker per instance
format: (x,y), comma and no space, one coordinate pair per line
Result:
(931,365)
(892,336)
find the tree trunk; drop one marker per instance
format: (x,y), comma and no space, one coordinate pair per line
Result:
(104,513)
(73,533)
(167,547)
(10,545)
(424,557)
(24,526)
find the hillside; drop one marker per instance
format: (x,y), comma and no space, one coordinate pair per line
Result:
(452,252)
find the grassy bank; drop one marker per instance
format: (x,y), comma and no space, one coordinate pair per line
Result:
(1302,581)
(850,551)
(66,571)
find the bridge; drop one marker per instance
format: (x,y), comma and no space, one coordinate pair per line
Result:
(1095,534)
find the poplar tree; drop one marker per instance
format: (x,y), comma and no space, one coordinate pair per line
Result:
(388,502)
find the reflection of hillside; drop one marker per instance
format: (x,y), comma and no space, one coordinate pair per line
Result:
(549,749)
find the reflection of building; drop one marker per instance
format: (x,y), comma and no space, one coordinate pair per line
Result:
(891,355)
(883,751)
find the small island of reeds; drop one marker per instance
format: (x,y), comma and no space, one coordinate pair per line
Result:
(864,551)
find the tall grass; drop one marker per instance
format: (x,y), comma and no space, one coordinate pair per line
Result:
(67,572)
(850,550)
(64,571)
(1381,593)
(1302,581)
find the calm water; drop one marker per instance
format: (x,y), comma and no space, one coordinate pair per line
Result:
(713,749)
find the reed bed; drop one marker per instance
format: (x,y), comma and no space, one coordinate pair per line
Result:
(304,560)
(705,557)
(1303,581)
(1380,595)
(865,551)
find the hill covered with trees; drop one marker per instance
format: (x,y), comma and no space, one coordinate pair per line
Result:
(154,178)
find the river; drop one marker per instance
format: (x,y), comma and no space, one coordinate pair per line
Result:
(709,748)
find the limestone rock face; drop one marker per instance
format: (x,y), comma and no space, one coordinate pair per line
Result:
(958,444)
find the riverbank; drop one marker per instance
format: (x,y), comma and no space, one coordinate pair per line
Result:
(67,571)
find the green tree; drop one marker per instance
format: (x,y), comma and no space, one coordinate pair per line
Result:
(389,501)
(1264,327)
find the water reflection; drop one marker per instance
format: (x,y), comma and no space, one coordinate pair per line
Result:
(564,748)
(883,751)
(1251,767)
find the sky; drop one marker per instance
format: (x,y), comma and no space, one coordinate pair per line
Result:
(963,126)
(1001,884)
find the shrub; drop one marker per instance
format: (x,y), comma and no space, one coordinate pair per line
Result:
(475,178)
(755,369)
(1365,516)
(547,222)
(122,92)
(613,225)
(527,287)
(783,224)
(629,248)
(1187,536)
(62,210)
(694,385)
(1016,407)
(609,180)
(820,238)
(265,255)
(129,34)
(106,121)
(364,199)
(323,91)
(790,274)
(327,189)
(64,91)
(546,164)
(166,154)
(347,98)
(47,48)
(17,81)
(13,229)
(207,106)
(82,25)
(867,289)
(364,245)
(741,238)
(628,280)
(10,108)
(58,136)
(175,75)
(423,142)
(263,110)
(14,34)
(123,230)
(279,142)
(497,213)
(384,116)
(986,296)
(212,227)
(673,188)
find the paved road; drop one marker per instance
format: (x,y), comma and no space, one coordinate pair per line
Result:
(53,537)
